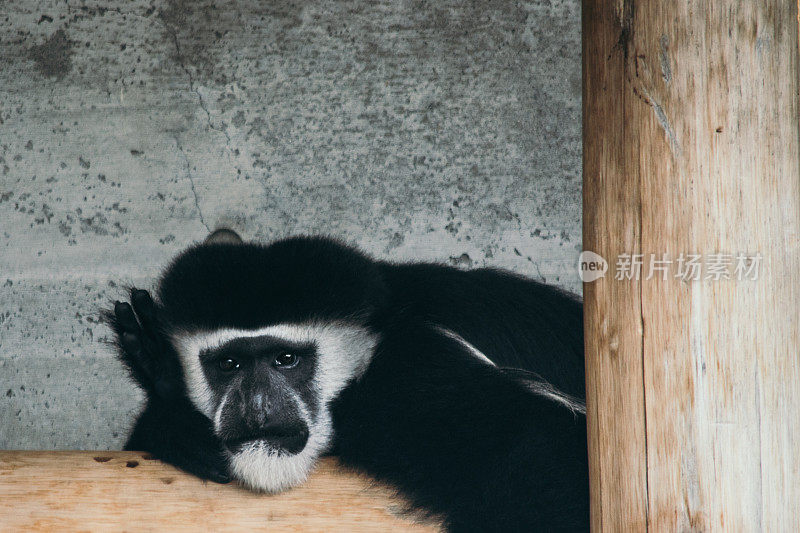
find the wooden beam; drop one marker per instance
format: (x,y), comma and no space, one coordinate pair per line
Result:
(691,146)
(101,491)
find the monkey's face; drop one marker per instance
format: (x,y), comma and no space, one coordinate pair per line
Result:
(267,392)
(264,393)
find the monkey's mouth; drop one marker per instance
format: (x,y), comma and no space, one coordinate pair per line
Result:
(279,441)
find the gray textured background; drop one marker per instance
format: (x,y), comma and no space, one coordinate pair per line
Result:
(444,130)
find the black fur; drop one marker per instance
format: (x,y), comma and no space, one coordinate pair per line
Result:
(515,321)
(249,285)
(461,438)
(175,432)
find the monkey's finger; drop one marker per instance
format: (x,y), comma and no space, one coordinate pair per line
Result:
(155,343)
(200,465)
(144,307)
(131,344)
(126,317)
(146,312)
(139,355)
(153,353)
(134,341)
(208,466)
(132,338)
(133,357)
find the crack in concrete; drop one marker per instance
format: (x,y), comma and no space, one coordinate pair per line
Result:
(191,180)
(192,86)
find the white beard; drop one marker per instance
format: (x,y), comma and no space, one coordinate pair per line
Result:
(261,468)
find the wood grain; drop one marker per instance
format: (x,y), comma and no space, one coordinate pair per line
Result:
(128,491)
(691,145)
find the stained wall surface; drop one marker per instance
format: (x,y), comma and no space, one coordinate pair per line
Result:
(444,130)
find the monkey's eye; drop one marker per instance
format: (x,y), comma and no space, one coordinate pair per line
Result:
(285,360)
(228,364)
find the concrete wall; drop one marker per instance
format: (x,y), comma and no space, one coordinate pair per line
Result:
(444,130)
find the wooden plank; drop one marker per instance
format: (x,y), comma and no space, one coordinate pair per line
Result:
(612,311)
(692,146)
(116,491)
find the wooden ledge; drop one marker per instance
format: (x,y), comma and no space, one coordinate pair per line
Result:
(102,491)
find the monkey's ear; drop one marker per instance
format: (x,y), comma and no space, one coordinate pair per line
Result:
(223,235)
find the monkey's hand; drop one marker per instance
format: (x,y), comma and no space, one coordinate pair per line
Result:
(144,349)
(170,427)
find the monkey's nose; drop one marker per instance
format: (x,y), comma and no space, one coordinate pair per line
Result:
(290,438)
(292,441)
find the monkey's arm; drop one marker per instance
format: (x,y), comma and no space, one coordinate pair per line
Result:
(170,427)
(515,321)
(176,433)
(464,439)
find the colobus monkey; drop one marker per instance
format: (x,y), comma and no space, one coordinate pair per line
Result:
(463,389)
